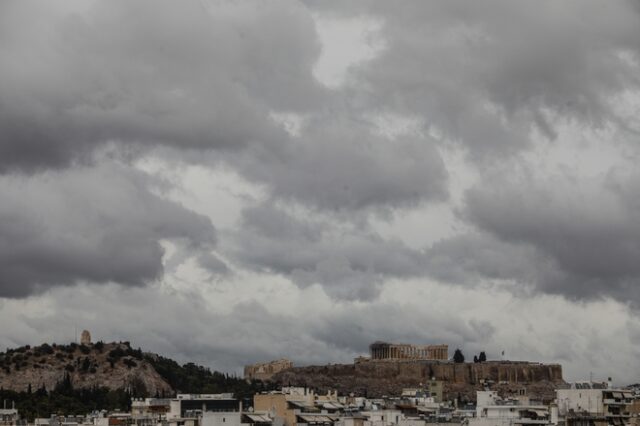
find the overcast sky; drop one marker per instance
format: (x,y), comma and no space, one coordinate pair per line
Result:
(228,182)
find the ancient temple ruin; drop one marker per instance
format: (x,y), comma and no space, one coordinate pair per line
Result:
(395,351)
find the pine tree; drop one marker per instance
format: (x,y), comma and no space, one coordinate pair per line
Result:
(458,357)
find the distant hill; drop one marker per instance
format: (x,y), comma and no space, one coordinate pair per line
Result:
(75,379)
(111,365)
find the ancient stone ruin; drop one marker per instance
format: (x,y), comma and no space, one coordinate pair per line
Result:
(266,370)
(394,351)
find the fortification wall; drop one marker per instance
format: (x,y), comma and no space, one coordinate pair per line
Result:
(377,378)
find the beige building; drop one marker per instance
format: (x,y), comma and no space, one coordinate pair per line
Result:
(634,412)
(293,405)
(395,351)
(276,406)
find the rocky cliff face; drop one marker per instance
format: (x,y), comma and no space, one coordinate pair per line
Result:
(377,378)
(113,365)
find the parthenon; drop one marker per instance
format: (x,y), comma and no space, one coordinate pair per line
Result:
(383,350)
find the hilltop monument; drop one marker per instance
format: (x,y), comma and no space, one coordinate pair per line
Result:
(85,338)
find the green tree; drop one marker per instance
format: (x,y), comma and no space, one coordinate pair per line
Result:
(482,357)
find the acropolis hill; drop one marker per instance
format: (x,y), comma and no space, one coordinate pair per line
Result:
(393,367)
(376,378)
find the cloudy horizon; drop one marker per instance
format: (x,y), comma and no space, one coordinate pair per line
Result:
(232,182)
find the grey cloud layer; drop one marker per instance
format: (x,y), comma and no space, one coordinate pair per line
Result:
(192,76)
(484,75)
(339,164)
(201,80)
(147,72)
(488,77)
(348,263)
(586,230)
(99,224)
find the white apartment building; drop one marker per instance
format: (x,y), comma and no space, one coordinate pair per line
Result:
(492,410)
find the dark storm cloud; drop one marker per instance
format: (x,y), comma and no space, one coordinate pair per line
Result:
(339,164)
(202,81)
(348,263)
(185,74)
(197,76)
(186,78)
(488,77)
(485,74)
(559,235)
(464,258)
(99,224)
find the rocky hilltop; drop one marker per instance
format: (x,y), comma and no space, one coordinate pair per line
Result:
(76,379)
(377,378)
(111,365)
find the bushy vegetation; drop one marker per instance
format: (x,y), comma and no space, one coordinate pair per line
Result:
(64,399)
(118,352)
(192,378)
(129,362)
(480,358)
